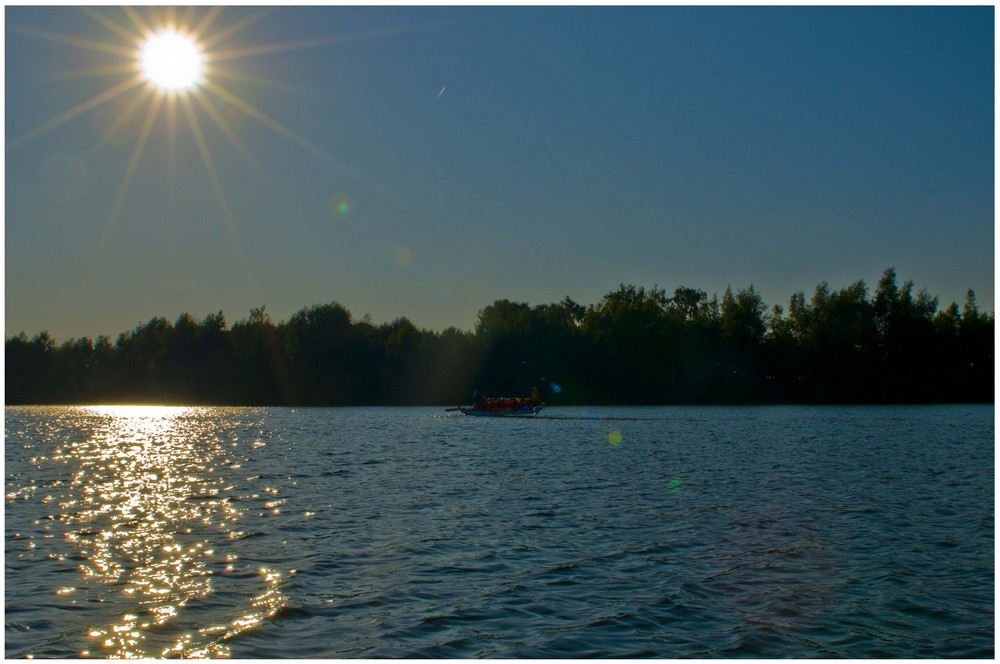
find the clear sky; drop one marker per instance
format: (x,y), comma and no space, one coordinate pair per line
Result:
(426,161)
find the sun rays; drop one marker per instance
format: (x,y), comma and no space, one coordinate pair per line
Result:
(161,73)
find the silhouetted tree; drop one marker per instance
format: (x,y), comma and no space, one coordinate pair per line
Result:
(502,331)
(742,327)
(630,344)
(976,343)
(259,369)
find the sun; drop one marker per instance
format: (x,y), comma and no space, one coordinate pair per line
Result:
(171,61)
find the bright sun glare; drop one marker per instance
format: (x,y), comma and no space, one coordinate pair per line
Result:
(171,61)
(164,53)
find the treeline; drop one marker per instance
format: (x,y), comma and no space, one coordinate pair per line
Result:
(635,346)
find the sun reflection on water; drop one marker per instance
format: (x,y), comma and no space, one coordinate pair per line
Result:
(148,513)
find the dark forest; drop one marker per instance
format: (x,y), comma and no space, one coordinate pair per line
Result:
(635,346)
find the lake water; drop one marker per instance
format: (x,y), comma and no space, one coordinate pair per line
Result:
(772,532)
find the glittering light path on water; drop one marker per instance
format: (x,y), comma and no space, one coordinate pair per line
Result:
(151,521)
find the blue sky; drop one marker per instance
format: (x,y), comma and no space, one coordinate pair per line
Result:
(426,161)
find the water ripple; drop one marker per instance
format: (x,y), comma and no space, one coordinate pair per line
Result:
(693,532)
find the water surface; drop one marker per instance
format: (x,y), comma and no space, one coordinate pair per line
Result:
(603,532)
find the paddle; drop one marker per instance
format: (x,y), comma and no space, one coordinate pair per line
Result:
(450,410)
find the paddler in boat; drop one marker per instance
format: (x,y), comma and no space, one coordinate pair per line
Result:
(536,396)
(478,403)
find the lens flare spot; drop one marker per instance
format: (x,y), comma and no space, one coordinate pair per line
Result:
(674,485)
(402,256)
(226,109)
(555,387)
(342,206)
(615,438)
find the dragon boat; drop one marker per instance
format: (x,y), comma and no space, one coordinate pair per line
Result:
(502,407)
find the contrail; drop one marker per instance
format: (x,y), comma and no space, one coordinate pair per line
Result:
(440,93)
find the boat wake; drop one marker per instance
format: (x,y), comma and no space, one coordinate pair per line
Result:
(600,418)
(577,418)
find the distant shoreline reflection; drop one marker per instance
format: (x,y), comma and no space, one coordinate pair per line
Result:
(151,520)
